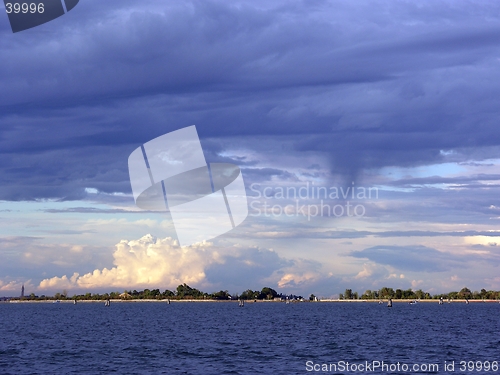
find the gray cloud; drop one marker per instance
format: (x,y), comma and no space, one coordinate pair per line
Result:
(454,181)
(248,269)
(40,258)
(297,232)
(410,258)
(368,84)
(93,210)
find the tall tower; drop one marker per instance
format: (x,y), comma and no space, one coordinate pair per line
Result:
(22,291)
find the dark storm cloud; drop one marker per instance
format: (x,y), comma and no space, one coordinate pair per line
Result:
(369,84)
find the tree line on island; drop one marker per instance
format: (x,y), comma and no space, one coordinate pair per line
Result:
(182,292)
(185,292)
(385,293)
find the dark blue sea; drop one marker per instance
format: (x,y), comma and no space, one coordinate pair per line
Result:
(259,338)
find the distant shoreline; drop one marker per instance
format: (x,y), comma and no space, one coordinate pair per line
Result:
(70,301)
(411,300)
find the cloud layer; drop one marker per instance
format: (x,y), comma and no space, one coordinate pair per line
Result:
(151,262)
(365,85)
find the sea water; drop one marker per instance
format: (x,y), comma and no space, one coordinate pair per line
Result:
(259,338)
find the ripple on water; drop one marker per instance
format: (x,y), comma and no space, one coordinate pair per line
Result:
(220,338)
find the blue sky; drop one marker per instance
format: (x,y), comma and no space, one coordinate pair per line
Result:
(400,97)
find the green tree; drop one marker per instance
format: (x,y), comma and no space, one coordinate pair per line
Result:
(185,291)
(453,295)
(348,294)
(168,293)
(409,294)
(386,293)
(268,293)
(465,293)
(368,294)
(221,295)
(420,294)
(249,294)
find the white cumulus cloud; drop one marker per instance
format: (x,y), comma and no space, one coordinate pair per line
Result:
(161,263)
(145,262)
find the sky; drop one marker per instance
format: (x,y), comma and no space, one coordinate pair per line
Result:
(367,133)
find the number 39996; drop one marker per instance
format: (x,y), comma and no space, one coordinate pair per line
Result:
(24,8)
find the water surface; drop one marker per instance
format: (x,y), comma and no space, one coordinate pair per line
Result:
(222,338)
